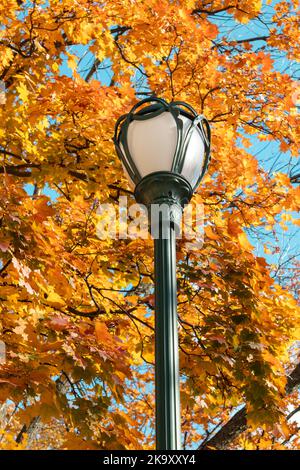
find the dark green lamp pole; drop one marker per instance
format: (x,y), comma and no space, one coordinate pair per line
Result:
(164,148)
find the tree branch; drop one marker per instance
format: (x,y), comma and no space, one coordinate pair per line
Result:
(238,423)
(199,11)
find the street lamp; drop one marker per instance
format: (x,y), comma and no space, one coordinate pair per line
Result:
(164,149)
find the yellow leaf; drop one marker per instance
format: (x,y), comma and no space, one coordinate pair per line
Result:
(210,233)
(235,342)
(55,300)
(72,63)
(55,67)
(244,241)
(102,333)
(23,92)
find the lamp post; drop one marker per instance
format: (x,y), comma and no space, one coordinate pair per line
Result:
(164,149)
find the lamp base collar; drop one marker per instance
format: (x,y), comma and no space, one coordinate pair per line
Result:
(164,190)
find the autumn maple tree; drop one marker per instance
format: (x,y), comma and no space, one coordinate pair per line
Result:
(77,313)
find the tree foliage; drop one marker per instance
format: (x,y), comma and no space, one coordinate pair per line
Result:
(77,311)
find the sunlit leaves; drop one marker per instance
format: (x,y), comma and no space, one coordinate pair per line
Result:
(77,311)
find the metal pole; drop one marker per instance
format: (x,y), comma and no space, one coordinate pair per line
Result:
(166,341)
(165,195)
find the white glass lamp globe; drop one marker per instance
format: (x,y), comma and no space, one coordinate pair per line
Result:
(163,138)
